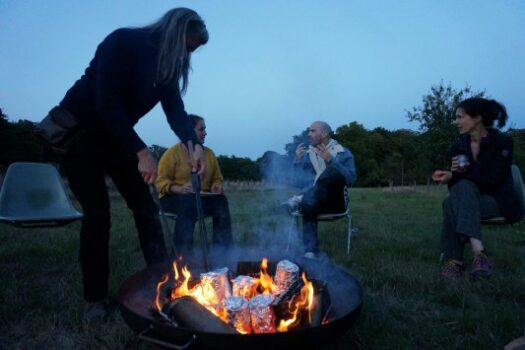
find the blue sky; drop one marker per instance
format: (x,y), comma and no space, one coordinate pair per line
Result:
(271,68)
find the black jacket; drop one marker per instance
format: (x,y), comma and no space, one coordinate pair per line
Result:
(492,171)
(118,88)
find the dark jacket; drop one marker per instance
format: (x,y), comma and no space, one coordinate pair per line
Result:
(492,171)
(118,88)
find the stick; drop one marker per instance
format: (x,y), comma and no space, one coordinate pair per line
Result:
(195,182)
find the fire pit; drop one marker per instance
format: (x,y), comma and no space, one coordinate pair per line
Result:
(140,292)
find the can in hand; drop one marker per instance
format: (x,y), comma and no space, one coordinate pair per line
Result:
(462,161)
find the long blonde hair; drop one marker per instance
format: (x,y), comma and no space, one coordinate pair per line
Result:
(172,29)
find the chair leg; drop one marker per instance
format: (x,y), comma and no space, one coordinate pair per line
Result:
(349,233)
(291,231)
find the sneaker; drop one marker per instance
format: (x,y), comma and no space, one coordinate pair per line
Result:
(481,266)
(310,255)
(292,204)
(453,269)
(96,312)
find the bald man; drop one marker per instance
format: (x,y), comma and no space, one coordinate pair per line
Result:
(322,169)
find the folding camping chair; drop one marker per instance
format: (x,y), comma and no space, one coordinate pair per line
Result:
(325,217)
(518,188)
(33,195)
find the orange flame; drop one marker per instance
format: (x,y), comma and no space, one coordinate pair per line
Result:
(205,293)
(175,271)
(303,301)
(159,285)
(265,280)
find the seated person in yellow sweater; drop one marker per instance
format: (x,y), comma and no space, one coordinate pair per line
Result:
(176,193)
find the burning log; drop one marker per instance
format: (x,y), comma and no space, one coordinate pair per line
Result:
(316,313)
(187,312)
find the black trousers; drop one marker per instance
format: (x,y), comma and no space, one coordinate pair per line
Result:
(86,166)
(185,207)
(463,210)
(326,196)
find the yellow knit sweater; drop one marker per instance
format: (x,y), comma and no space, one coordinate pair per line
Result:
(174,169)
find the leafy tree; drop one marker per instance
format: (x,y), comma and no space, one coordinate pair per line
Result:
(368,152)
(239,169)
(17,142)
(275,168)
(297,139)
(436,117)
(157,151)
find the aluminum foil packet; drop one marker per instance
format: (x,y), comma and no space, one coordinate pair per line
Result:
(219,280)
(239,314)
(244,286)
(285,275)
(262,314)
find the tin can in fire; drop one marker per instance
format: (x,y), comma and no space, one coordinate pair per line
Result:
(262,314)
(239,314)
(218,280)
(244,286)
(285,275)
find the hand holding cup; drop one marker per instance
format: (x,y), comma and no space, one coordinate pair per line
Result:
(459,163)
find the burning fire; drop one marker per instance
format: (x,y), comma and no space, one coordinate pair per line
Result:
(205,293)
(265,280)
(303,301)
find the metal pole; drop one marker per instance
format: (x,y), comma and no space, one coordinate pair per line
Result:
(163,222)
(195,182)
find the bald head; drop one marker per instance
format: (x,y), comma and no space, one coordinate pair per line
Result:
(319,132)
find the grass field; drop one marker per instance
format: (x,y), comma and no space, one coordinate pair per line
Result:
(407,305)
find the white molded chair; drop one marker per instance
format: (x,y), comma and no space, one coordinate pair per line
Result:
(296,215)
(33,195)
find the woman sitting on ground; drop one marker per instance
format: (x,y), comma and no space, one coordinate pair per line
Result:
(480,184)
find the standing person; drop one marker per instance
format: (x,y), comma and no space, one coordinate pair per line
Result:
(133,69)
(176,192)
(323,170)
(480,184)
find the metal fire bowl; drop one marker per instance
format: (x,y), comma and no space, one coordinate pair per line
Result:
(137,293)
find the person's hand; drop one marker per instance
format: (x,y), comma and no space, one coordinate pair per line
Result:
(147,166)
(217,188)
(455,165)
(442,176)
(198,163)
(323,152)
(182,189)
(299,151)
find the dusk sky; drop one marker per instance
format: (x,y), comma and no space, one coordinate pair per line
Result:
(271,67)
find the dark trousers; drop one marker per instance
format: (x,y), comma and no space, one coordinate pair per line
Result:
(86,166)
(185,207)
(326,196)
(463,210)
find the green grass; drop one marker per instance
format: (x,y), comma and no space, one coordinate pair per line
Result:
(407,305)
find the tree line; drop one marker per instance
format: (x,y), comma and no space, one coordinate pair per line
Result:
(383,157)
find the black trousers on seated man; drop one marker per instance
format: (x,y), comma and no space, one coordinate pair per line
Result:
(326,196)
(184,206)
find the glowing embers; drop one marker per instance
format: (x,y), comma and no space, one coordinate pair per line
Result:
(251,302)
